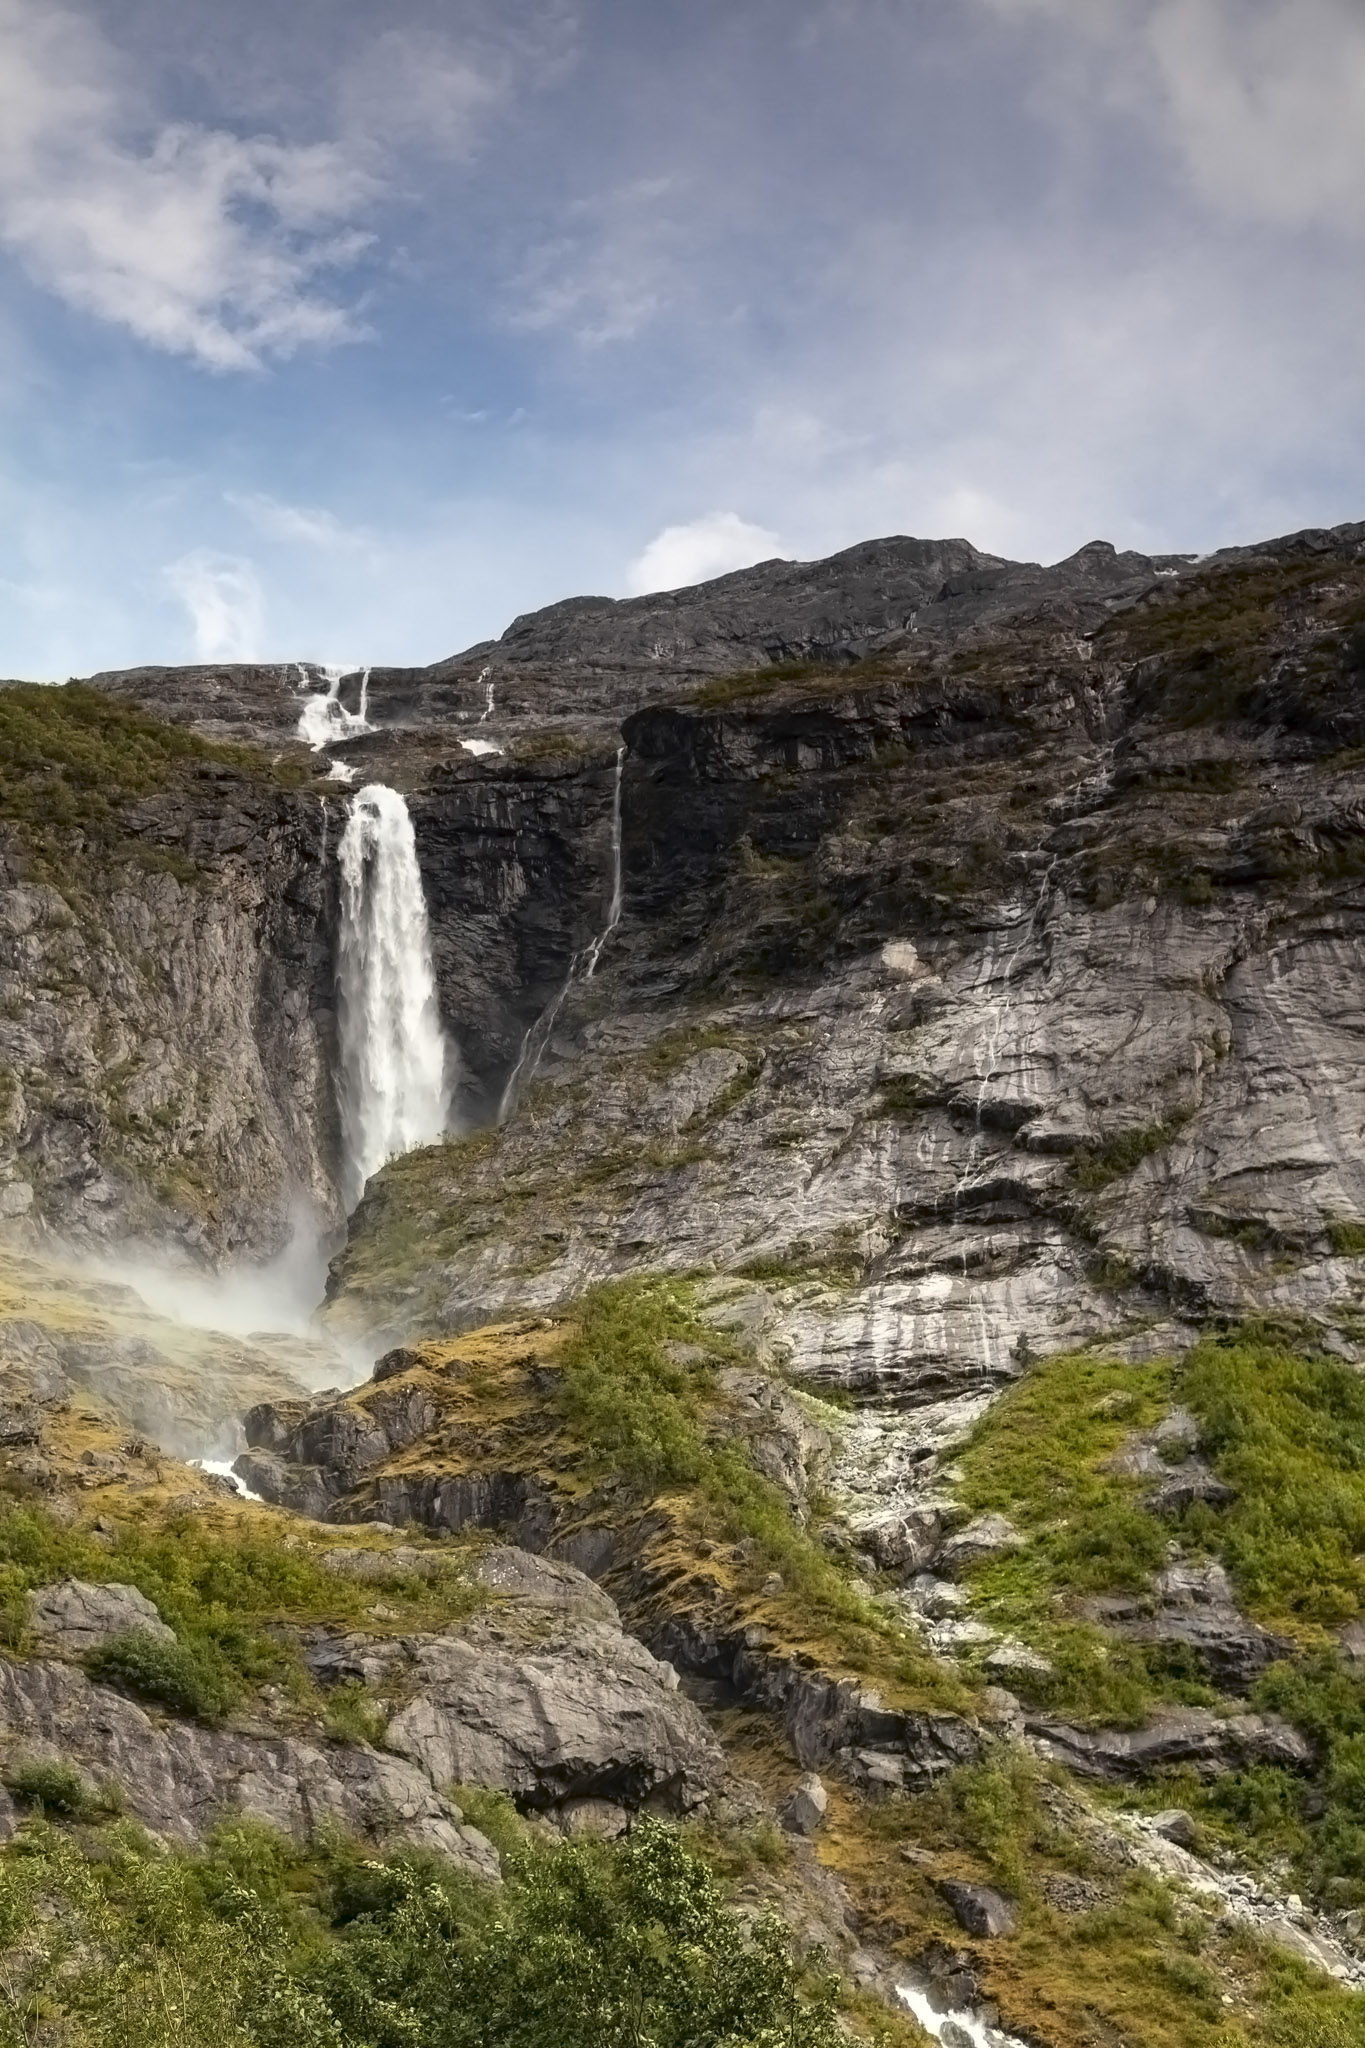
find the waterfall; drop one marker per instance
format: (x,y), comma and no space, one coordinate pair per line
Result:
(394,1083)
(486,676)
(324,718)
(614,908)
(583,966)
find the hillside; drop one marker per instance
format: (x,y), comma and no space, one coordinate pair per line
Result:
(860,1419)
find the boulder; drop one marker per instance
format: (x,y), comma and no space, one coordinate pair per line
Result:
(74,1617)
(986,1537)
(584,1712)
(1016,1662)
(803,1811)
(1173,1824)
(981,1910)
(544,1583)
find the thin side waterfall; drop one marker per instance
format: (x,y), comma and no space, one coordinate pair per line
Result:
(394,1080)
(582,967)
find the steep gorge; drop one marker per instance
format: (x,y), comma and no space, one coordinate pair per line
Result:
(902,1238)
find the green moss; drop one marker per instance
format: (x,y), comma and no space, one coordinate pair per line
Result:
(1347,1239)
(1095,1166)
(229,1602)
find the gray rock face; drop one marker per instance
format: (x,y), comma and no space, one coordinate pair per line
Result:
(544,1582)
(582,1711)
(168,1038)
(1195,1607)
(987,1537)
(179,1779)
(74,1617)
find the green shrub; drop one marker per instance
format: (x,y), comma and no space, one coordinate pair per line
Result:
(257,1945)
(186,1678)
(51,1787)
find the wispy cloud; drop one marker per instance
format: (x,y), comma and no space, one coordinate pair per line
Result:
(610,269)
(299,525)
(709,546)
(1263,100)
(222,594)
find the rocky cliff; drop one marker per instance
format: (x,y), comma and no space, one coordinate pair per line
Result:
(893,1306)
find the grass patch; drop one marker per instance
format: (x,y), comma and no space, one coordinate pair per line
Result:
(72,759)
(1346,1239)
(53,1788)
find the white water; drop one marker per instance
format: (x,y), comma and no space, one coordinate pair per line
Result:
(394,1083)
(583,966)
(486,676)
(325,719)
(953,2027)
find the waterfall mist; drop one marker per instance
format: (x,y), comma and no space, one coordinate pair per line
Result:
(394,1079)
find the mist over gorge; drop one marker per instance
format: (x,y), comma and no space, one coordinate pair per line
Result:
(797,1144)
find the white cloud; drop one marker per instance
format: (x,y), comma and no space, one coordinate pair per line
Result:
(201,242)
(222,595)
(299,525)
(710,546)
(1264,100)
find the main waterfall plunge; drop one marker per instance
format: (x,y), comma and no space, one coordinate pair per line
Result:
(393,1081)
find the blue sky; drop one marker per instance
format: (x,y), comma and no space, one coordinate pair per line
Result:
(343,332)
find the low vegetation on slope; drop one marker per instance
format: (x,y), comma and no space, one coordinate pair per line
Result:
(71,758)
(1284,1429)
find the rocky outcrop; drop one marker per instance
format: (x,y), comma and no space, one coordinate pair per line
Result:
(545,1697)
(178,1779)
(1190,1738)
(74,1618)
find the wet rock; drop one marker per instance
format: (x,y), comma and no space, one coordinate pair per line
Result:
(803,1811)
(75,1617)
(980,1909)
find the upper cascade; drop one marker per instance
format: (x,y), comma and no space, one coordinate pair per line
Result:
(396,1069)
(324,718)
